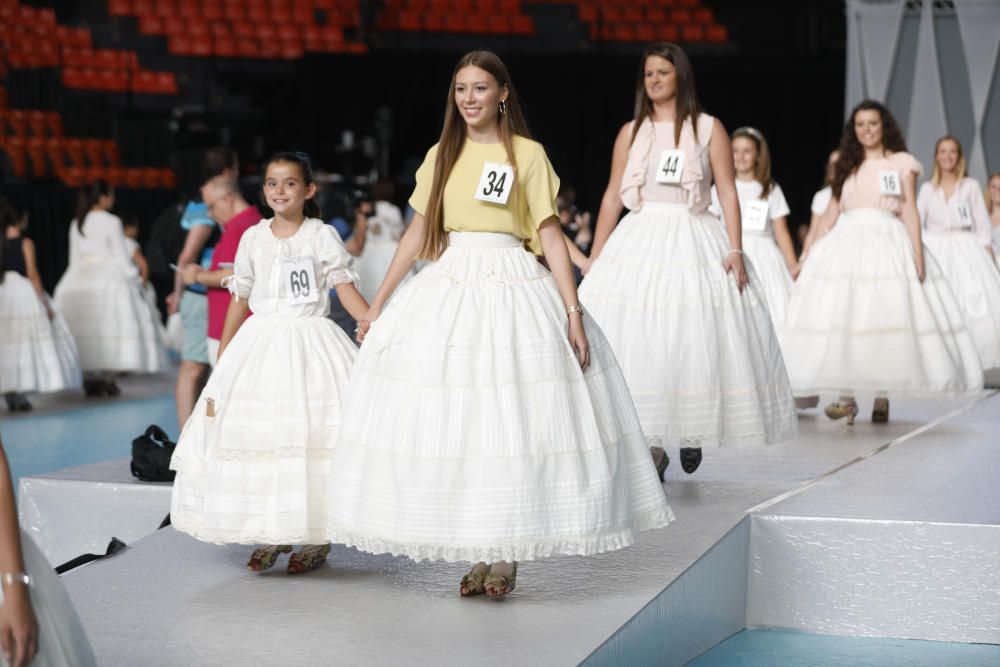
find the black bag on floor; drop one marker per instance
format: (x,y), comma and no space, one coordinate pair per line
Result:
(151,454)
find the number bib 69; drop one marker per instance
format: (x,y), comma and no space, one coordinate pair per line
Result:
(298,281)
(495,183)
(670,167)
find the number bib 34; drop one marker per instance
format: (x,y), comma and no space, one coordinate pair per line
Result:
(298,281)
(495,183)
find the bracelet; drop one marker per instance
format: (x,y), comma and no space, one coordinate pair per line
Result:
(735,251)
(11,578)
(574,309)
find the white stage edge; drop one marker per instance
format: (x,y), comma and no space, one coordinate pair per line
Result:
(170,600)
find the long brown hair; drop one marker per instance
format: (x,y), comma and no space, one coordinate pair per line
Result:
(762,167)
(852,153)
(687,96)
(960,167)
(509,123)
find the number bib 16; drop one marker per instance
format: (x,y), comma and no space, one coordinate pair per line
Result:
(670,167)
(495,183)
(755,215)
(963,216)
(889,183)
(298,281)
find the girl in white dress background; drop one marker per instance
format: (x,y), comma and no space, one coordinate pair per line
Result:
(37,351)
(669,286)
(869,312)
(100,296)
(254,457)
(957,230)
(487,420)
(993,206)
(764,214)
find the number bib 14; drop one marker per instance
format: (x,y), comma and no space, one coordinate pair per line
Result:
(889,183)
(963,215)
(755,215)
(298,281)
(670,167)
(495,183)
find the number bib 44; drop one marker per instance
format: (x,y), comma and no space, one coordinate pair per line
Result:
(298,281)
(670,167)
(495,183)
(889,183)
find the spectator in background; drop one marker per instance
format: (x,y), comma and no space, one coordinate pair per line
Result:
(192,300)
(231,211)
(342,209)
(576,228)
(382,233)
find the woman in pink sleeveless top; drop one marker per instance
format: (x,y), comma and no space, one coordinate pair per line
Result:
(669,286)
(871,310)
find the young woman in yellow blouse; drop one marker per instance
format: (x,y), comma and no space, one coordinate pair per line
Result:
(487,419)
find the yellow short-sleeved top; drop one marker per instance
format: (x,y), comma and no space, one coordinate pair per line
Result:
(529,204)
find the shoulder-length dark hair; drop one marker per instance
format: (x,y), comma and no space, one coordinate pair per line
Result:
(311,208)
(510,122)
(687,96)
(87,198)
(852,153)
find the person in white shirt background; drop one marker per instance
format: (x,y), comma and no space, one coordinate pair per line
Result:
(993,206)
(957,231)
(766,239)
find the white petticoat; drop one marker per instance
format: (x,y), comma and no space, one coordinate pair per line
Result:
(771,271)
(701,359)
(470,432)
(859,320)
(36,354)
(111,322)
(257,472)
(975,280)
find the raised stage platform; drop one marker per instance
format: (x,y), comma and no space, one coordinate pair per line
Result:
(876,530)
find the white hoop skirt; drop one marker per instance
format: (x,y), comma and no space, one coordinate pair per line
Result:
(36,354)
(257,472)
(470,432)
(113,326)
(701,359)
(975,280)
(859,320)
(771,271)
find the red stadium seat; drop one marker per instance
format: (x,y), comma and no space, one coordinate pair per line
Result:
(717,34)
(692,33)
(119,7)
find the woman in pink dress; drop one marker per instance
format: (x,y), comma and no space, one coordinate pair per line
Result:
(869,311)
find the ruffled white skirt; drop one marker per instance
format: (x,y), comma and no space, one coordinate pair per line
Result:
(111,322)
(701,359)
(257,471)
(771,270)
(975,280)
(37,354)
(470,433)
(859,320)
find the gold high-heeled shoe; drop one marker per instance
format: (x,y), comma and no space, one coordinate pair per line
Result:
(839,410)
(474,582)
(497,585)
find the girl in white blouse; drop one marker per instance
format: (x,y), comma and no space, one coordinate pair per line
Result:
(253,459)
(957,232)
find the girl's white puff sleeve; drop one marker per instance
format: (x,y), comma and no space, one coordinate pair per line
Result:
(241,282)
(336,264)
